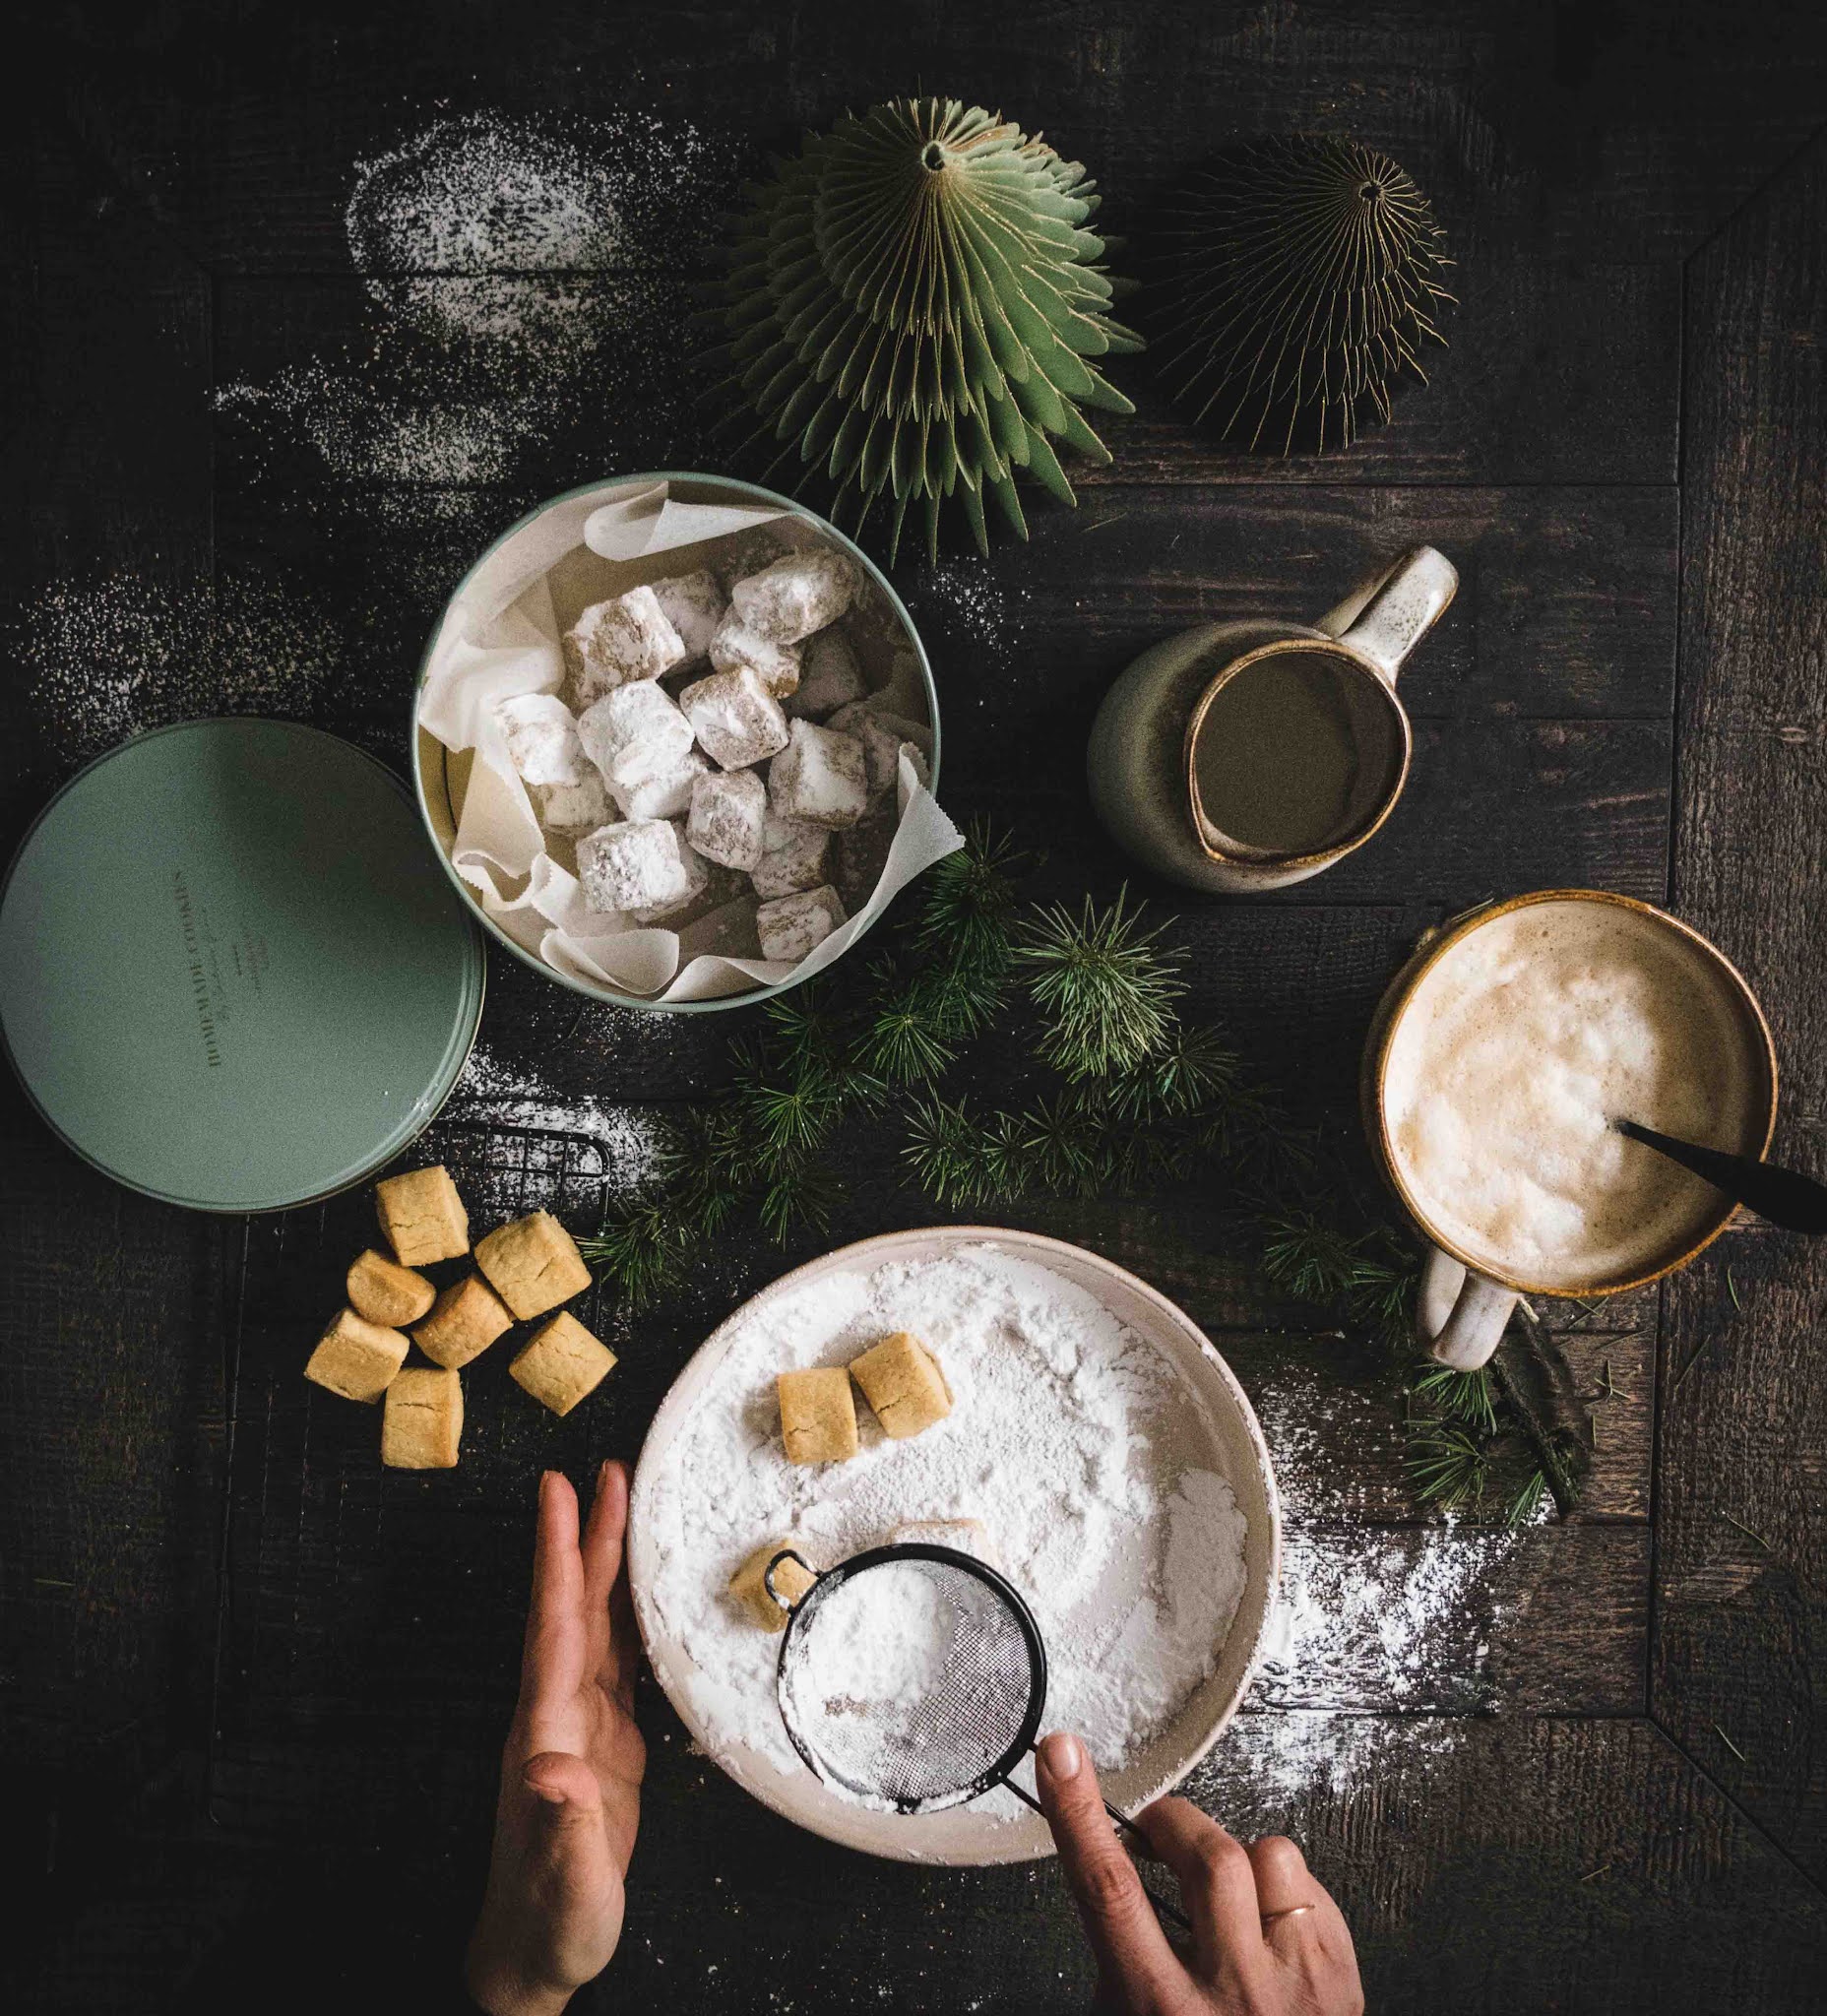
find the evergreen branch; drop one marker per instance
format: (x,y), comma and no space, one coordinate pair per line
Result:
(1456,1396)
(1447,1465)
(1072,1153)
(943,1149)
(1104,986)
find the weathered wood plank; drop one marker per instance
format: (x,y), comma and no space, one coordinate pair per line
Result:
(1739,1621)
(111,1443)
(1636,134)
(1491,808)
(109,473)
(1567,604)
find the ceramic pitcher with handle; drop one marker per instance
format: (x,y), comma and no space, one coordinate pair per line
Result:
(1144,759)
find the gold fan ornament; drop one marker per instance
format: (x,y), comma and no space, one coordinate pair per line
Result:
(912,308)
(1293,281)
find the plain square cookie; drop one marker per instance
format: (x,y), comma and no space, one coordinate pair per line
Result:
(465,1320)
(561,1364)
(423,1421)
(901,1381)
(818,1416)
(422,1216)
(356,1358)
(533,1264)
(384,1292)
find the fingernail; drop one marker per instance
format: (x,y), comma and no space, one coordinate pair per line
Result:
(1062,1756)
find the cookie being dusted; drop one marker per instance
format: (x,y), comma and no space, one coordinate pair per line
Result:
(749,1584)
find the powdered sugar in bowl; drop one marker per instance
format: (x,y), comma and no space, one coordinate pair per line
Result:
(1112,1463)
(676,740)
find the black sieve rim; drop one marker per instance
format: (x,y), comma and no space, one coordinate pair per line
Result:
(992,1578)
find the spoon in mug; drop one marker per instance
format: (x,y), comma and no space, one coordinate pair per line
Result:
(1795,1202)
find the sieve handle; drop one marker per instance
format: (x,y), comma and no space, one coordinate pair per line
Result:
(767,1576)
(1162,1907)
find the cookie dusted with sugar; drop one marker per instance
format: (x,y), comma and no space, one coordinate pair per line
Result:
(802,592)
(963,1535)
(793,856)
(791,926)
(636,865)
(902,1383)
(667,794)
(627,637)
(634,733)
(821,776)
(818,1416)
(736,719)
(749,1584)
(422,1216)
(829,676)
(533,1264)
(738,649)
(573,808)
(728,817)
(694,605)
(542,738)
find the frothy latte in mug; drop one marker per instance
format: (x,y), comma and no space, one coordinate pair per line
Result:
(1510,1059)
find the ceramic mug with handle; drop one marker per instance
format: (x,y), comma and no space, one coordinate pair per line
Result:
(1466,1294)
(1155,762)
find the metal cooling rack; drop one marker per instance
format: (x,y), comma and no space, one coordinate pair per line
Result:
(364,1610)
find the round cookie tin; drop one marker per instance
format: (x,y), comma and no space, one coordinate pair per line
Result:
(231,977)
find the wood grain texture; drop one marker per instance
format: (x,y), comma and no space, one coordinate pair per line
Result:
(1740,1666)
(1505,1829)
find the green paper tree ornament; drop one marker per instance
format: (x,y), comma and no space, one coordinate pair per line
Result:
(912,308)
(1292,281)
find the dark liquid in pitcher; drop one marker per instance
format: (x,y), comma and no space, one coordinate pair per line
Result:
(1276,754)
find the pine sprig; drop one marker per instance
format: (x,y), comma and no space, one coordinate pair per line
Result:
(1120,1096)
(1104,984)
(1448,1466)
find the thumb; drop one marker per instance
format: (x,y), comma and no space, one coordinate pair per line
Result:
(564,1787)
(1119,1920)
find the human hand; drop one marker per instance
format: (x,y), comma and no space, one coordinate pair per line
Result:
(571,1769)
(1266,1940)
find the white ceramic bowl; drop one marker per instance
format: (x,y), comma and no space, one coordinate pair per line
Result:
(438,776)
(965,1835)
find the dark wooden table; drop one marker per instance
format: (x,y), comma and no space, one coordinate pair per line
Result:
(251,1688)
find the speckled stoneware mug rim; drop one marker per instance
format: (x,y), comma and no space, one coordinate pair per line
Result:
(749,997)
(1399,993)
(1302,639)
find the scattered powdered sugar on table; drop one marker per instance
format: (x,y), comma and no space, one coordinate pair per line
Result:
(1268,1767)
(1072,1439)
(483,194)
(515,1096)
(525,276)
(1392,1621)
(111,658)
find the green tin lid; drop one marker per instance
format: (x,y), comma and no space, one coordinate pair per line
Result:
(232,974)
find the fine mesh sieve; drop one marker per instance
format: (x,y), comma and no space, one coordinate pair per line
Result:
(953,1674)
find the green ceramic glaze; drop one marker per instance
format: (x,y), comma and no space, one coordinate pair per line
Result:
(230,975)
